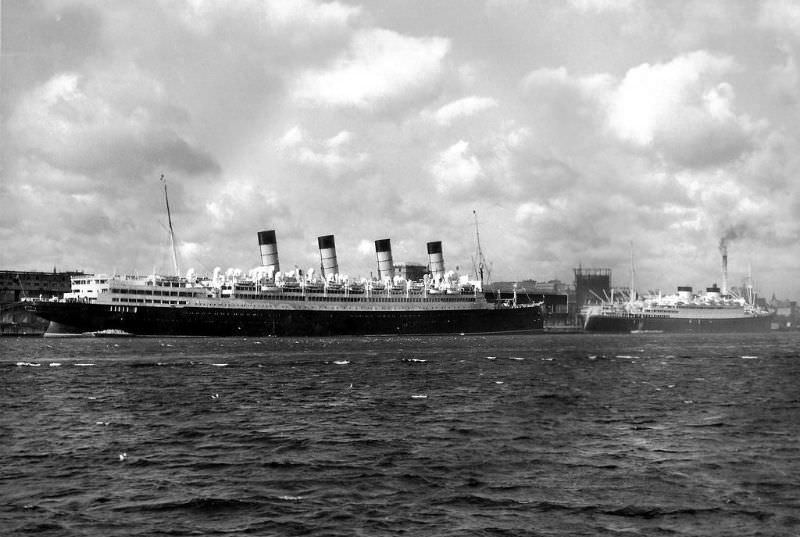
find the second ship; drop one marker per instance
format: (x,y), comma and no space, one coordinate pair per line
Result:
(716,310)
(269,302)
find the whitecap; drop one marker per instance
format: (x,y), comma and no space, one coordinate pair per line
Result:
(491,357)
(27,364)
(498,382)
(515,358)
(341,362)
(84,365)
(219,365)
(746,357)
(290,498)
(592,357)
(421,396)
(55,364)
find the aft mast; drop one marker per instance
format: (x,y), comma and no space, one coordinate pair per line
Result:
(632,294)
(171,231)
(479,263)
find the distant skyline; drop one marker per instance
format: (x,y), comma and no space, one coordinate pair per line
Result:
(578,130)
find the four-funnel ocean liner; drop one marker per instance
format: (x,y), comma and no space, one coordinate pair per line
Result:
(269,302)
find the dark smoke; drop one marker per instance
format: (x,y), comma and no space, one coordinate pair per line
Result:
(732,233)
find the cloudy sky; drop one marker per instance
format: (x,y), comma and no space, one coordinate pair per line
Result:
(574,128)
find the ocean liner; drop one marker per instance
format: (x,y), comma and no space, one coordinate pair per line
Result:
(269,302)
(716,310)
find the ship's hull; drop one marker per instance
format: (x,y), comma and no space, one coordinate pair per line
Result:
(644,323)
(204,321)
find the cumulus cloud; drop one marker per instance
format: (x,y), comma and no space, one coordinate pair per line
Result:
(461,108)
(334,155)
(589,86)
(457,169)
(90,125)
(649,95)
(378,67)
(683,109)
(597,6)
(301,18)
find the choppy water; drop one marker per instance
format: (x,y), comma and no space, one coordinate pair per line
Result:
(648,434)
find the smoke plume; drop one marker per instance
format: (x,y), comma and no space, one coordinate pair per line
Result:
(732,233)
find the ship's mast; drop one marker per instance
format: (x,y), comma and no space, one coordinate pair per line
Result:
(480,260)
(632,294)
(171,231)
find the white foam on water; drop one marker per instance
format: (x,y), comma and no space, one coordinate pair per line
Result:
(219,365)
(28,364)
(84,365)
(515,358)
(498,382)
(290,498)
(746,357)
(55,364)
(341,362)
(491,357)
(421,396)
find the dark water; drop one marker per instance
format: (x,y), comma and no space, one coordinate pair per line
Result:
(647,434)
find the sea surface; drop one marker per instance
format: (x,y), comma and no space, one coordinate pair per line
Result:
(641,434)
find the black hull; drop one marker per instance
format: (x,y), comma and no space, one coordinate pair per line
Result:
(634,323)
(188,321)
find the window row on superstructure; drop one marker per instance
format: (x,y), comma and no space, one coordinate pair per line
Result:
(371,299)
(147,301)
(156,292)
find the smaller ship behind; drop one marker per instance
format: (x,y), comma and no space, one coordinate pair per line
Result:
(716,310)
